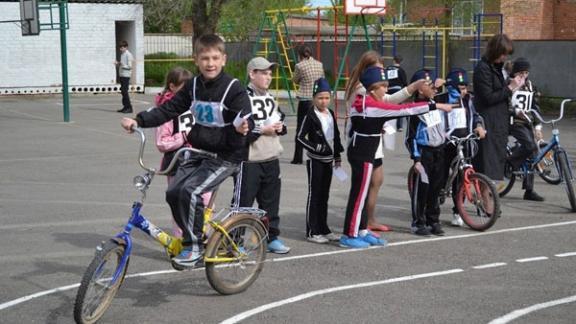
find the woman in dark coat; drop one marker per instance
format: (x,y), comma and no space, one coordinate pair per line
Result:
(491,99)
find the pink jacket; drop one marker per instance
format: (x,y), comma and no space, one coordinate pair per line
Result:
(165,140)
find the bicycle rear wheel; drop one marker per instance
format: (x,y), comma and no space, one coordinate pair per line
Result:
(410,179)
(547,168)
(567,177)
(481,208)
(234,261)
(504,186)
(98,286)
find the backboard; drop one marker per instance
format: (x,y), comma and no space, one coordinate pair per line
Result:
(29,19)
(358,7)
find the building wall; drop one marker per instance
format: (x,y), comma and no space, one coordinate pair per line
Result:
(539,19)
(34,61)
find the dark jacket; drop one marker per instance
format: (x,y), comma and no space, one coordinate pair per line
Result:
(224,141)
(491,100)
(312,138)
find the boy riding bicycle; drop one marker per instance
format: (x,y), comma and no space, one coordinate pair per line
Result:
(221,107)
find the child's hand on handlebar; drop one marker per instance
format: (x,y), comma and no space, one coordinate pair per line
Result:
(128,124)
(480,131)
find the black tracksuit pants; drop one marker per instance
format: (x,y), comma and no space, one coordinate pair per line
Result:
(527,148)
(425,203)
(356,218)
(194,177)
(319,181)
(261,182)
(124,85)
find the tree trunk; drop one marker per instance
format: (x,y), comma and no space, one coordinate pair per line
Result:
(205,18)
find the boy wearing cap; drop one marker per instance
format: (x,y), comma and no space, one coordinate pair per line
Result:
(260,174)
(457,88)
(425,142)
(522,129)
(367,116)
(320,137)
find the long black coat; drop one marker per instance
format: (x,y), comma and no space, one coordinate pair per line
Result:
(491,100)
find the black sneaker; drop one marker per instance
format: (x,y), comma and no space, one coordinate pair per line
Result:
(422,231)
(437,229)
(532,195)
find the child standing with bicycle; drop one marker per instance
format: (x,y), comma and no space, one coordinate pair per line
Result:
(221,110)
(457,88)
(425,142)
(320,136)
(260,174)
(524,130)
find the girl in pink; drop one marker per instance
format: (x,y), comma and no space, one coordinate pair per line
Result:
(169,137)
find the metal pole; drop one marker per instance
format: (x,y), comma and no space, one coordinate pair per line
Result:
(64,59)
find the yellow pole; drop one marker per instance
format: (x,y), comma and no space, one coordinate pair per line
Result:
(444,51)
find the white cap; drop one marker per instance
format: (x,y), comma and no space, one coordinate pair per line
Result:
(259,63)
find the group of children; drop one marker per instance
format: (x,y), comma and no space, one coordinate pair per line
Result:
(214,112)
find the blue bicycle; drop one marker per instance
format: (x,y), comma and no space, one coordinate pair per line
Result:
(235,241)
(551,163)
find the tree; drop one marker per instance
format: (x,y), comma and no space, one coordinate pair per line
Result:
(161,16)
(205,15)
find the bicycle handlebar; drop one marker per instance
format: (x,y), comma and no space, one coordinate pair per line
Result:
(181,151)
(456,140)
(537,114)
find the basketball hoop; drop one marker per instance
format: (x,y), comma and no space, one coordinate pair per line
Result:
(365,7)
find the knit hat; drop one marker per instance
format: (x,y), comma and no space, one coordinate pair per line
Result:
(371,75)
(259,63)
(520,64)
(321,85)
(457,77)
(426,74)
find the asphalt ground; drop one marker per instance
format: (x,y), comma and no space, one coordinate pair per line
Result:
(65,187)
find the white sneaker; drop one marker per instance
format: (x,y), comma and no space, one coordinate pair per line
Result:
(457,220)
(320,239)
(332,237)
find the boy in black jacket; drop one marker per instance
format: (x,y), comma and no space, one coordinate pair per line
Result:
(221,107)
(320,136)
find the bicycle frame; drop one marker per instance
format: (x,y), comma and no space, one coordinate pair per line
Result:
(459,166)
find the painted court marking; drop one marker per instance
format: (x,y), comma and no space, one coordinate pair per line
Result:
(20,300)
(524,311)
(263,308)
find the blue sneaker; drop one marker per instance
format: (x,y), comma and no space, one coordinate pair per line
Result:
(278,247)
(187,258)
(374,240)
(353,242)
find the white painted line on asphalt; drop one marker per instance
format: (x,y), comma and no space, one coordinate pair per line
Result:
(305,256)
(567,254)
(36,295)
(263,308)
(540,258)
(521,312)
(490,265)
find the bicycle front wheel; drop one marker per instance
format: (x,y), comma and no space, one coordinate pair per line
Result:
(100,283)
(567,177)
(234,261)
(478,202)
(504,186)
(547,168)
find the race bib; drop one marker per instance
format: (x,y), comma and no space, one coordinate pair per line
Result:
(457,118)
(208,113)
(522,100)
(185,122)
(392,74)
(264,110)
(432,118)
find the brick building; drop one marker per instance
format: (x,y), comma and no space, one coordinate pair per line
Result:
(31,64)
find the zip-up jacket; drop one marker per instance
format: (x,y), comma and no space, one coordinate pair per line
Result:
(420,134)
(473,119)
(312,138)
(368,115)
(224,141)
